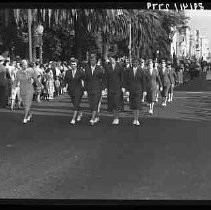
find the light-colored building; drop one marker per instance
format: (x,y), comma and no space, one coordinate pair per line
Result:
(189,43)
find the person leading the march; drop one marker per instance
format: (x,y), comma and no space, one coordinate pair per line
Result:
(135,84)
(114,78)
(93,84)
(73,78)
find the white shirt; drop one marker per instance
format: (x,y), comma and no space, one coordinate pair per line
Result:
(93,68)
(73,73)
(134,70)
(113,66)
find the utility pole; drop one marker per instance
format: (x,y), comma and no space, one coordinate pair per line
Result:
(30,34)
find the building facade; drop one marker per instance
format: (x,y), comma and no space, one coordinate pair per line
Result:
(189,43)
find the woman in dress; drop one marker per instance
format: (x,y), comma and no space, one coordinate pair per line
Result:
(153,79)
(24,79)
(50,84)
(135,83)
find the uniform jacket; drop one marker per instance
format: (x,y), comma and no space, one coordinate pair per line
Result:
(74,84)
(114,78)
(93,83)
(172,76)
(152,80)
(164,76)
(135,83)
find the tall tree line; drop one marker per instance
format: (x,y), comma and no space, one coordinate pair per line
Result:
(99,30)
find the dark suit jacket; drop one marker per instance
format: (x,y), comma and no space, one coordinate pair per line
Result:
(152,80)
(114,79)
(164,78)
(74,84)
(172,76)
(93,83)
(135,83)
(3,79)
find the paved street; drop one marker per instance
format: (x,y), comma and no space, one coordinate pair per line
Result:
(167,158)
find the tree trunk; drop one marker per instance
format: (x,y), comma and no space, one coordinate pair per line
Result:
(105,47)
(78,39)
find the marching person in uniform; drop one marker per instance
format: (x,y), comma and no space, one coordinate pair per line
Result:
(126,67)
(164,76)
(73,78)
(135,83)
(143,69)
(152,78)
(156,67)
(114,78)
(24,79)
(93,84)
(173,79)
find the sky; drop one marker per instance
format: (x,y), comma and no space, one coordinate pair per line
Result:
(201,19)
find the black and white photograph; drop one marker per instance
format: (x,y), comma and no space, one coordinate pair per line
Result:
(105,102)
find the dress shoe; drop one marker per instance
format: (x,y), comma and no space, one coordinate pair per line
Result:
(92,122)
(29,118)
(150,111)
(72,122)
(137,122)
(79,117)
(115,122)
(25,121)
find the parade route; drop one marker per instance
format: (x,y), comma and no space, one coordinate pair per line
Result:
(166,158)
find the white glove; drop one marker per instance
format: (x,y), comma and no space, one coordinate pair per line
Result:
(123,90)
(144,93)
(161,88)
(85,93)
(127,93)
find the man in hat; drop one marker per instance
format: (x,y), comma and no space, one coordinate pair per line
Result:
(3,83)
(73,78)
(135,83)
(114,78)
(93,84)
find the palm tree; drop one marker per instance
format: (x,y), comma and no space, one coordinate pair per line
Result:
(150,29)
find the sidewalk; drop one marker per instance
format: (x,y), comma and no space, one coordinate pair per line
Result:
(200,84)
